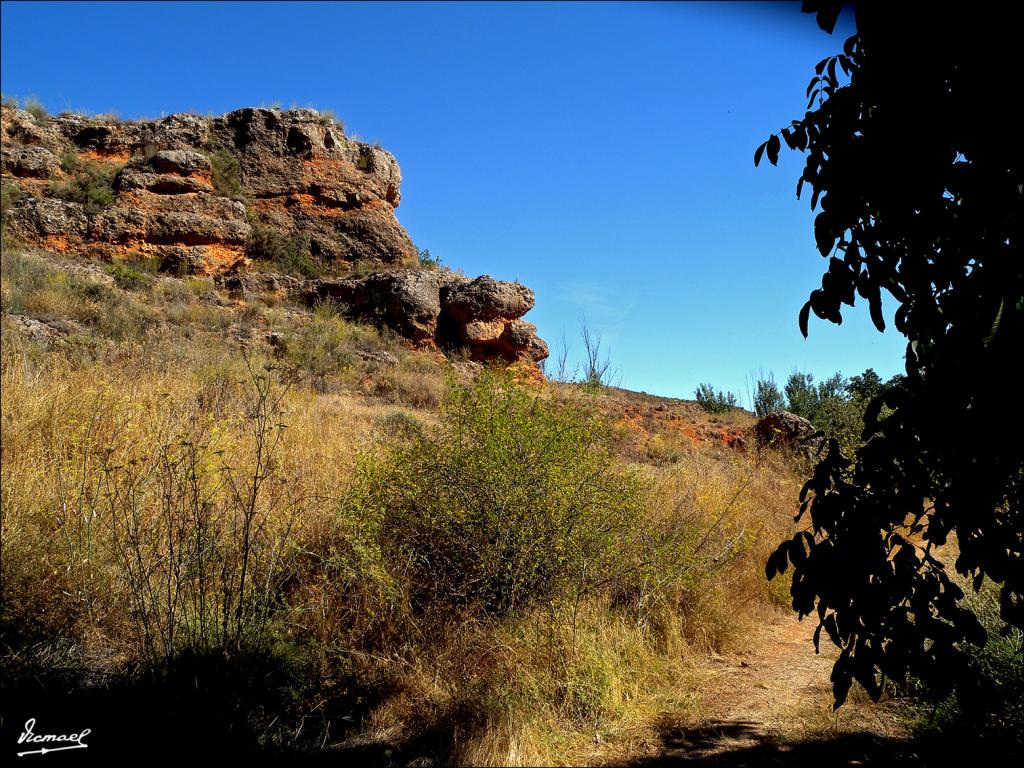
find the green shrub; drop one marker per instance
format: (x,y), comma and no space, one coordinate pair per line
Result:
(129,278)
(91,183)
(286,255)
(986,708)
(831,405)
(510,501)
(768,398)
(714,402)
(226,174)
(427,261)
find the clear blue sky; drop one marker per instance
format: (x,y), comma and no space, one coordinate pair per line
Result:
(601,153)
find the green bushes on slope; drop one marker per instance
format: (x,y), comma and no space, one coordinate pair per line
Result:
(511,502)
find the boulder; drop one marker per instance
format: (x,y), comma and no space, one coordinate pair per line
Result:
(783,428)
(307,178)
(180,161)
(438,308)
(29,162)
(242,283)
(407,300)
(486,299)
(132,179)
(34,219)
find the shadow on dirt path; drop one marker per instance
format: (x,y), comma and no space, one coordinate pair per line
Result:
(770,705)
(735,743)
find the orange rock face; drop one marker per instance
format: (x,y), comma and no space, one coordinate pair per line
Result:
(443,310)
(198,195)
(187,189)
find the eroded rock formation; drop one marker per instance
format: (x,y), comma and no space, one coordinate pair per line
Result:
(786,429)
(333,197)
(438,308)
(193,194)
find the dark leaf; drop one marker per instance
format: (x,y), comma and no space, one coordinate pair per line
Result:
(758,152)
(778,561)
(774,145)
(840,688)
(875,305)
(833,631)
(865,674)
(805,314)
(973,631)
(823,234)
(828,14)
(871,412)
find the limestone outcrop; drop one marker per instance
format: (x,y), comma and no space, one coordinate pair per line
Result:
(179,182)
(199,195)
(443,309)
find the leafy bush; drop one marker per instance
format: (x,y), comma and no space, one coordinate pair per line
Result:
(714,402)
(226,174)
(986,708)
(511,501)
(128,278)
(768,398)
(91,183)
(286,255)
(829,406)
(427,261)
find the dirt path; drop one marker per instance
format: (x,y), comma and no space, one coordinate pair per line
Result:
(771,704)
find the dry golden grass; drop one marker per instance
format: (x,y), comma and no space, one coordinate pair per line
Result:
(107,425)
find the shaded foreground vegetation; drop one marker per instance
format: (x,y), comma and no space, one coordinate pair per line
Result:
(292,547)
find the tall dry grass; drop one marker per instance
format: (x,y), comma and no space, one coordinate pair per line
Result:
(165,494)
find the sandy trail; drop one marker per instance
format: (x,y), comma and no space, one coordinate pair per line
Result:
(771,704)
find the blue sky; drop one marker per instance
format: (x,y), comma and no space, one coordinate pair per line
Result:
(601,153)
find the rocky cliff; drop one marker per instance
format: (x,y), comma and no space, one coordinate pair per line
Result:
(207,195)
(189,188)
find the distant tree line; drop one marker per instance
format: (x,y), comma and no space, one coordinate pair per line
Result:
(835,405)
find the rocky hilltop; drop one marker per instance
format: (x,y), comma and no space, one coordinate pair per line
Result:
(211,195)
(293,170)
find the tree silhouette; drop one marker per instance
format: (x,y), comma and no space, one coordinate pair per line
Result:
(914,153)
